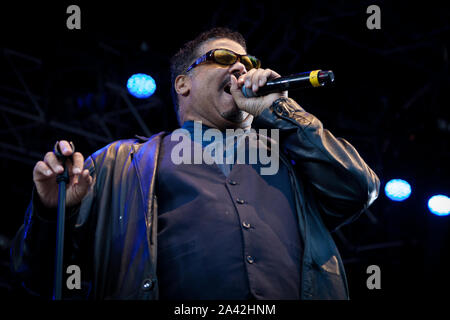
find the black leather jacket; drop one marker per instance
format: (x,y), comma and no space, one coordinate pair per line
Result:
(112,235)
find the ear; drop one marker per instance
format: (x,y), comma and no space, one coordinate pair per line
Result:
(183,84)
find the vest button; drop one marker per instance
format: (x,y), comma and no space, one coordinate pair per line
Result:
(232,182)
(148,284)
(240,201)
(246,225)
(250,259)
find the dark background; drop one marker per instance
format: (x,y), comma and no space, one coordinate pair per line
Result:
(390,100)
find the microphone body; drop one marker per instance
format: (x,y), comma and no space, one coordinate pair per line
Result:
(310,79)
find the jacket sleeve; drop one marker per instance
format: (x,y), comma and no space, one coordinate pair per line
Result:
(34,245)
(343,184)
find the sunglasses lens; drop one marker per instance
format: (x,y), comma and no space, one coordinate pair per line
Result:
(228,58)
(255,62)
(247,62)
(224,57)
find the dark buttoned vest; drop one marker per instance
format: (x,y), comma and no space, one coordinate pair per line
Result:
(225,234)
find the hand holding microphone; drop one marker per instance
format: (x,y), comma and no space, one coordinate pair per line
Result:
(254,79)
(264,86)
(310,79)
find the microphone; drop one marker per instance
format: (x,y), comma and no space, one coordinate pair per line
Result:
(310,79)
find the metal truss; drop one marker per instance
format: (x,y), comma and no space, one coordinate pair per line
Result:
(20,116)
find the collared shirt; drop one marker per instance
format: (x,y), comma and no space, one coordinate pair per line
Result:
(225,236)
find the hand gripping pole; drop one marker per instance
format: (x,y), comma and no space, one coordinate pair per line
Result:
(62,179)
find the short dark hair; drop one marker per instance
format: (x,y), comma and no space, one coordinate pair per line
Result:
(189,52)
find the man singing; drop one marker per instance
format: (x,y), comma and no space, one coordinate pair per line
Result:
(142,225)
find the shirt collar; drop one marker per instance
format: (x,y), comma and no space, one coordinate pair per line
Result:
(189,126)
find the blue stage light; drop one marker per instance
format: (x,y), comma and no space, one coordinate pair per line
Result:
(439,205)
(397,189)
(141,85)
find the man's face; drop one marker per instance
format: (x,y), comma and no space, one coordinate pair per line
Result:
(209,98)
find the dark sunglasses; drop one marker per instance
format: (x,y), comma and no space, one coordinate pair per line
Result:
(227,57)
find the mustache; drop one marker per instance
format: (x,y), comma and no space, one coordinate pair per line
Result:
(227,80)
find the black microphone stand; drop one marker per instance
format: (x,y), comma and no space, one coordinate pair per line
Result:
(62,179)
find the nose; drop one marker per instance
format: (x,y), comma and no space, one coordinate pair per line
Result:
(237,68)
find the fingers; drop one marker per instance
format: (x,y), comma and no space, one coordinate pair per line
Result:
(85,180)
(81,188)
(78,163)
(76,167)
(42,171)
(234,89)
(257,78)
(45,171)
(53,163)
(65,148)
(77,191)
